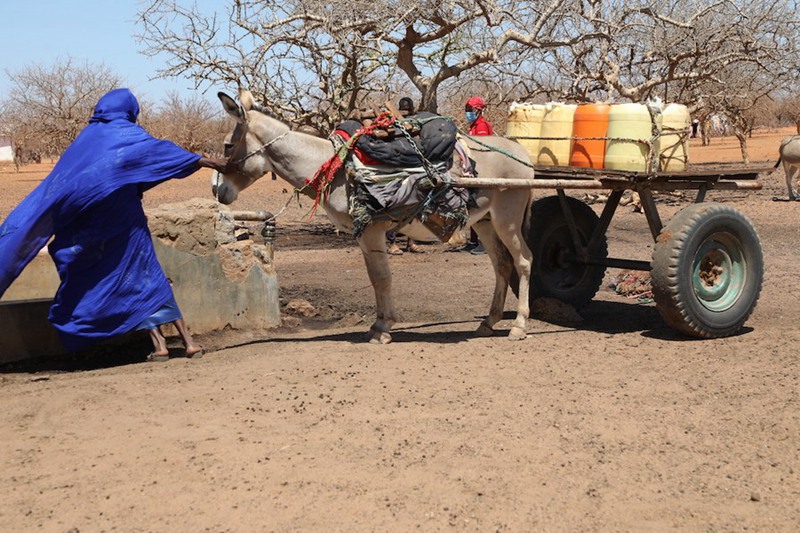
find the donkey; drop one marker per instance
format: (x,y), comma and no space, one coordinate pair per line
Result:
(260,143)
(789,153)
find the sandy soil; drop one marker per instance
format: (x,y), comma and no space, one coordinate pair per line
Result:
(615,423)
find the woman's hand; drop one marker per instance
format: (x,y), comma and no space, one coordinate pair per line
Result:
(220,165)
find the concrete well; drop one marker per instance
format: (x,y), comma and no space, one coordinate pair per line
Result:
(219,282)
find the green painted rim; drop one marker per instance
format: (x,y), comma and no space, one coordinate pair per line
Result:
(719,272)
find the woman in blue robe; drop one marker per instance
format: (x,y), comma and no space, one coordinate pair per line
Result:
(90,205)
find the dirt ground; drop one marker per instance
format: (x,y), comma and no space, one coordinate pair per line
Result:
(613,423)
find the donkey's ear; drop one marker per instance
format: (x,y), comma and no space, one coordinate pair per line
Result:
(231,107)
(247,100)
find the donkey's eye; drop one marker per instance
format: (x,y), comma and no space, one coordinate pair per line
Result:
(228,149)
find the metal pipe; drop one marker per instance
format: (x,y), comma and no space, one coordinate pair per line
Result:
(252,216)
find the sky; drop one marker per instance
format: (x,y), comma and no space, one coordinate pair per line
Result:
(93,31)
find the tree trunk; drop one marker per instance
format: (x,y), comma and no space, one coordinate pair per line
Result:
(797,124)
(742,136)
(705,132)
(428,100)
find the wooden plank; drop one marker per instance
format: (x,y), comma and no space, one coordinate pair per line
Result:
(595,184)
(491,183)
(699,172)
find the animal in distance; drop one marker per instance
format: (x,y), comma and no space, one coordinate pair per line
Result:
(789,155)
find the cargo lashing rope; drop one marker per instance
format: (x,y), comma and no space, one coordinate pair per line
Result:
(682,133)
(435,182)
(324,175)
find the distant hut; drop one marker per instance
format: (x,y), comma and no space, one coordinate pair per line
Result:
(6,150)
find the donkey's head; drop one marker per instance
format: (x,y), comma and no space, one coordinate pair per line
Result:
(245,148)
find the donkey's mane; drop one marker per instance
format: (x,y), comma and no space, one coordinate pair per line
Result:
(264,111)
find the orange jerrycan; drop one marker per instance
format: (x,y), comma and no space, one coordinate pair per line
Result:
(590,122)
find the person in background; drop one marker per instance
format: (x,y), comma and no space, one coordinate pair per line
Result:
(392,248)
(695,127)
(478,125)
(406,107)
(91,207)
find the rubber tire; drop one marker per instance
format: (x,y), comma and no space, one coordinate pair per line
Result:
(699,236)
(548,236)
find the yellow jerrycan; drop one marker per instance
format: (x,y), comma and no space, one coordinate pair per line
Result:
(556,143)
(674,155)
(525,120)
(630,128)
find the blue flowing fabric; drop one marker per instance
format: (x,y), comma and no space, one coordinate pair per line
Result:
(91,205)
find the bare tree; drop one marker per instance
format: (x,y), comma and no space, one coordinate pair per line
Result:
(666,49)
(48,105)
(305,71)
(788,109)
(717,56)
(313,61)
(193,123)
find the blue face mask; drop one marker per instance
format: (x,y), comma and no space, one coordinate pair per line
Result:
(472,116)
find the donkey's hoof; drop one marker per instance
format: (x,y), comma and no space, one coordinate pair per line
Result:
(484,331)
(379,337)
(517,334)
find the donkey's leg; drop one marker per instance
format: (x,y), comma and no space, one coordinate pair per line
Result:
(373,247)
(507,223)
(792,170)
(502,263)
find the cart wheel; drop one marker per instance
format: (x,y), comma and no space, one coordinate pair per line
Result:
(555,274)
(707,270)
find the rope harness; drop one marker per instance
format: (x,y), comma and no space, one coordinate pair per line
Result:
(238,163)
(321,181)
(237,166)
(435,183)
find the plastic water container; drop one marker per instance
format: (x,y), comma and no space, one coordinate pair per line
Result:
(556,143)
(629,129)
(525,120)
(590,120)
(675,138)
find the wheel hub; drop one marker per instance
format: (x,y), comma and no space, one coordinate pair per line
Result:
(718,275)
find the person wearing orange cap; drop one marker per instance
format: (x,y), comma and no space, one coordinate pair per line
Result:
(478,125)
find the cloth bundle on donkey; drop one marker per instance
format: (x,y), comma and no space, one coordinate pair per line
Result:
(397,171)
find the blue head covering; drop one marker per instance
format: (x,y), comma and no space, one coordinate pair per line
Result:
(119,104)
(90,204)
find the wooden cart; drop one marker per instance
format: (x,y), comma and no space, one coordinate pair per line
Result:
(707,265)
